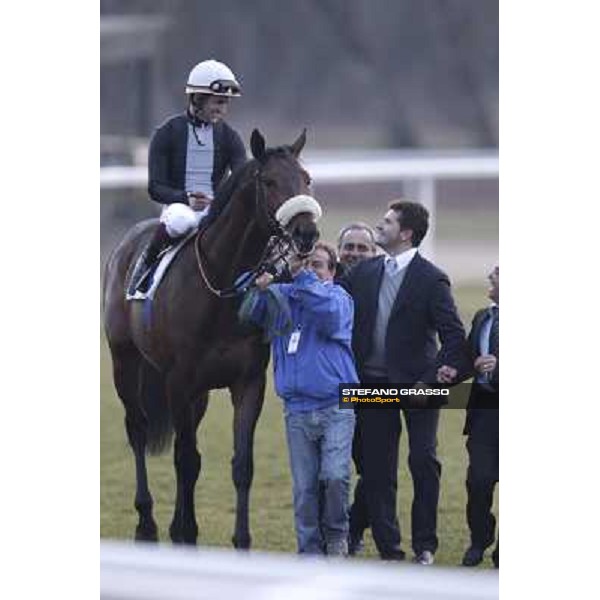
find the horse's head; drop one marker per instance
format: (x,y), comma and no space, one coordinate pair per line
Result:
(284,192)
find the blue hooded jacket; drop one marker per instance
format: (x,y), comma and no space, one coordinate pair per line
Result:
(323,313)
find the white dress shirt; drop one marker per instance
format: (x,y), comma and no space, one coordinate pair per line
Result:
(403,259)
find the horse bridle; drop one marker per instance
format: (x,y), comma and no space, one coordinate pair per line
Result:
(280,245)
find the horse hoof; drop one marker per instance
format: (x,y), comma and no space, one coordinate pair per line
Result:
(183,538)
(181,541)
(241,543)
(146,535)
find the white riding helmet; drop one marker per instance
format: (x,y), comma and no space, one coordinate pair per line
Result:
(212,77)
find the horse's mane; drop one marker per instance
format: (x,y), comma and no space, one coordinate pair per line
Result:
(238,178)
(225,190)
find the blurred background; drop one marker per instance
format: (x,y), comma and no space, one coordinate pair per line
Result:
(362,74)
(409,84)
(408,77)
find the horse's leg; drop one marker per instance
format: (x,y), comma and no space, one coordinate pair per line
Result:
(127,363)
(177,524)
(184,528)
(247,398)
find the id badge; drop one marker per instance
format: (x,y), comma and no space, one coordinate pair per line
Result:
(293,343)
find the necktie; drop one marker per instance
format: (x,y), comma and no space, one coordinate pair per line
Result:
(391,266)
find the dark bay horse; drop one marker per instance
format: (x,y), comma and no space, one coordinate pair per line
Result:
(164,369)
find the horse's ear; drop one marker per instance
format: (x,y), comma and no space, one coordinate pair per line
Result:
(297,146)
(257,145)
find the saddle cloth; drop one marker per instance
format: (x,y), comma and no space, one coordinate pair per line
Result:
(159,269)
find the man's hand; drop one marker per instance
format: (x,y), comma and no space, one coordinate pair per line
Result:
(198,200)
(263,281)
(419,401)
(446,374)
(485,363)
(296,264)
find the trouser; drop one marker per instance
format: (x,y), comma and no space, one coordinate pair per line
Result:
(482,476)
(176,220)
(319,444)
(180,219)
(375,499)
(359,516)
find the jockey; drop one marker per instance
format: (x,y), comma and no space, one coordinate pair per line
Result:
(191,153)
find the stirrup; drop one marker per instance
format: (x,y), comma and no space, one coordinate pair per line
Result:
(141,275)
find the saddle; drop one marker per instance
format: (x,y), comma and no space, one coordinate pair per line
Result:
(145,279)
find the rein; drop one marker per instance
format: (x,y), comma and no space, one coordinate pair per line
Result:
(279,245)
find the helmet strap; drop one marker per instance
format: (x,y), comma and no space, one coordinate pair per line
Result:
(193,114)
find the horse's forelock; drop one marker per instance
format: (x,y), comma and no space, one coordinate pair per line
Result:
(283,151)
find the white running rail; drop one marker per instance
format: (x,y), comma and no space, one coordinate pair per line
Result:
(147,572)
(418,171)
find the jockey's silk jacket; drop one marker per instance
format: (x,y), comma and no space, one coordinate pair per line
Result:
(308,372)
(168,152)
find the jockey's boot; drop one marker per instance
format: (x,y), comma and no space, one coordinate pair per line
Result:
(160,241)
(141,278)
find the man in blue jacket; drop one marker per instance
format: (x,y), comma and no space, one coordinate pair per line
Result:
(309,363)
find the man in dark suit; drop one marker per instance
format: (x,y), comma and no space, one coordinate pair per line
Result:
(401,302)
(356,242)
(482,428)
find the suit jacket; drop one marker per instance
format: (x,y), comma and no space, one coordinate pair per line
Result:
(423,308)
(482,410)
(168,154)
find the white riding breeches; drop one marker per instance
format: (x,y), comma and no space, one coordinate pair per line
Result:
(180,219)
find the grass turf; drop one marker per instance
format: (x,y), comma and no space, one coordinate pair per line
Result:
(271,516)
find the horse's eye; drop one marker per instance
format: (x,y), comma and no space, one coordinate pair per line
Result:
(268,182)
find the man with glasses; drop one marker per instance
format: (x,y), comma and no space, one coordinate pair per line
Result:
(190,154)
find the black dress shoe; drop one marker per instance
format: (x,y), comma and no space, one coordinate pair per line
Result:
(473,556)
(356,545)
(496,557)
(424,558)
(393,554)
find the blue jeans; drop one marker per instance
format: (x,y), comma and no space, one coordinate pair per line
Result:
(320,446)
